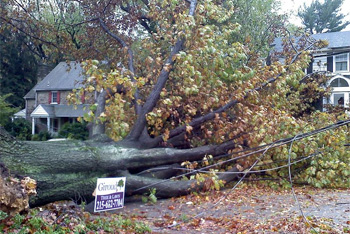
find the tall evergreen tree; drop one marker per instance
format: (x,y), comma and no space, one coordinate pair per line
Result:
(323,17)
(18,67)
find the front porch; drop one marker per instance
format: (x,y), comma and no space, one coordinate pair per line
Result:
(51,118)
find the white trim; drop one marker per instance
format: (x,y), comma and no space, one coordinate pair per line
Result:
(334,63)
(338,90)
(48,124)
(336,77)
(33,126)
(39,112)
(54,92)
(345,95)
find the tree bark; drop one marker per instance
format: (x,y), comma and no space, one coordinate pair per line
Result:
(69,169)
(97,127)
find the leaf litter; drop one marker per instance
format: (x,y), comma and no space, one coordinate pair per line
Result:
(250,208)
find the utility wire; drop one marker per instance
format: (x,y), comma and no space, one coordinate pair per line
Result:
(272,145)
(259,150)
(237,172)
(291,185)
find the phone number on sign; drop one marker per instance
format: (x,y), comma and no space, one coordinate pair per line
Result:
(109,204)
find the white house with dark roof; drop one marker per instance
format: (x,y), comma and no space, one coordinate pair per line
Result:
(46,104)
(335,60)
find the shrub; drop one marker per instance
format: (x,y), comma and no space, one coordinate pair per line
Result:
(74,221)
(20,128)
(42,136)
(35,137)
(76,131)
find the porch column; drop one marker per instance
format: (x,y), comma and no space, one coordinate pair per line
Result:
(48,124)
(33,126)
(324,102)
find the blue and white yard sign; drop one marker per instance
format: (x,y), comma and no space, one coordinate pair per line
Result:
(109,194)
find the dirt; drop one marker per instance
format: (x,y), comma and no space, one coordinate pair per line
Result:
(249,210)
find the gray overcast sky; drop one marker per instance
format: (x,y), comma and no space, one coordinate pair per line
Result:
(292,6)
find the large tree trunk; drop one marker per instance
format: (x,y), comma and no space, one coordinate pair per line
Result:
(69,169)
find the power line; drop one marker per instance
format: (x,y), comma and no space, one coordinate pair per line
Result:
(260,149)
(264,150)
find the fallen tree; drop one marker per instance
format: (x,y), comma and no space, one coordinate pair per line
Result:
(69,169)
(203,96)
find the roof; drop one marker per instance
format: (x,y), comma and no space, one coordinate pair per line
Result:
(335,40)
(30,94)
(70,110)
(43,111)
(20,114)
(63,77)
(57,110)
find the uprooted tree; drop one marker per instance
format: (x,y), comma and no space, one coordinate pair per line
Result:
(173,89)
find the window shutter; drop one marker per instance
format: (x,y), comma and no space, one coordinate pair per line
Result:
(83,98)
(310,67)
(58,97)
(330,63)
(50,96)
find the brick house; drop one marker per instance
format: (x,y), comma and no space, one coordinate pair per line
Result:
(46,104)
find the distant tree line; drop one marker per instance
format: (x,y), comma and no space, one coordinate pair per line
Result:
(323,17)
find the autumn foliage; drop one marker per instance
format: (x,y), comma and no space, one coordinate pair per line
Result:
(169,72)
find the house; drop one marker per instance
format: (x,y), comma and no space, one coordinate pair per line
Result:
(334,60)
(46,104)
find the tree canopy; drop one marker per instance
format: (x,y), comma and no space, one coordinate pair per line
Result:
(323,17)
(259,22)
(7,110)
(18,66)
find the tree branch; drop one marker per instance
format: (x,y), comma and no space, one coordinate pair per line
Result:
(142,19)
(161,81)
(98,127)
(130,63)
(209,116)
(26,33)
(169,188)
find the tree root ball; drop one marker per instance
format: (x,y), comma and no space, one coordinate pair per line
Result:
(15,193)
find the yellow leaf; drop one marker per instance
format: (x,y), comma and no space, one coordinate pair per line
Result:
(189,129)
(166,135)
(239,167)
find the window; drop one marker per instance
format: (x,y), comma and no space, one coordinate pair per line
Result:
(338,99)
(339,82)
(53,97)
(341,62)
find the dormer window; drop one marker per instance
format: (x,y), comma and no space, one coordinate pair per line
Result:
(341,62)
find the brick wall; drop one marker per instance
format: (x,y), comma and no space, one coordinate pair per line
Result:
(63,97)
(30,106)
(43,97)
